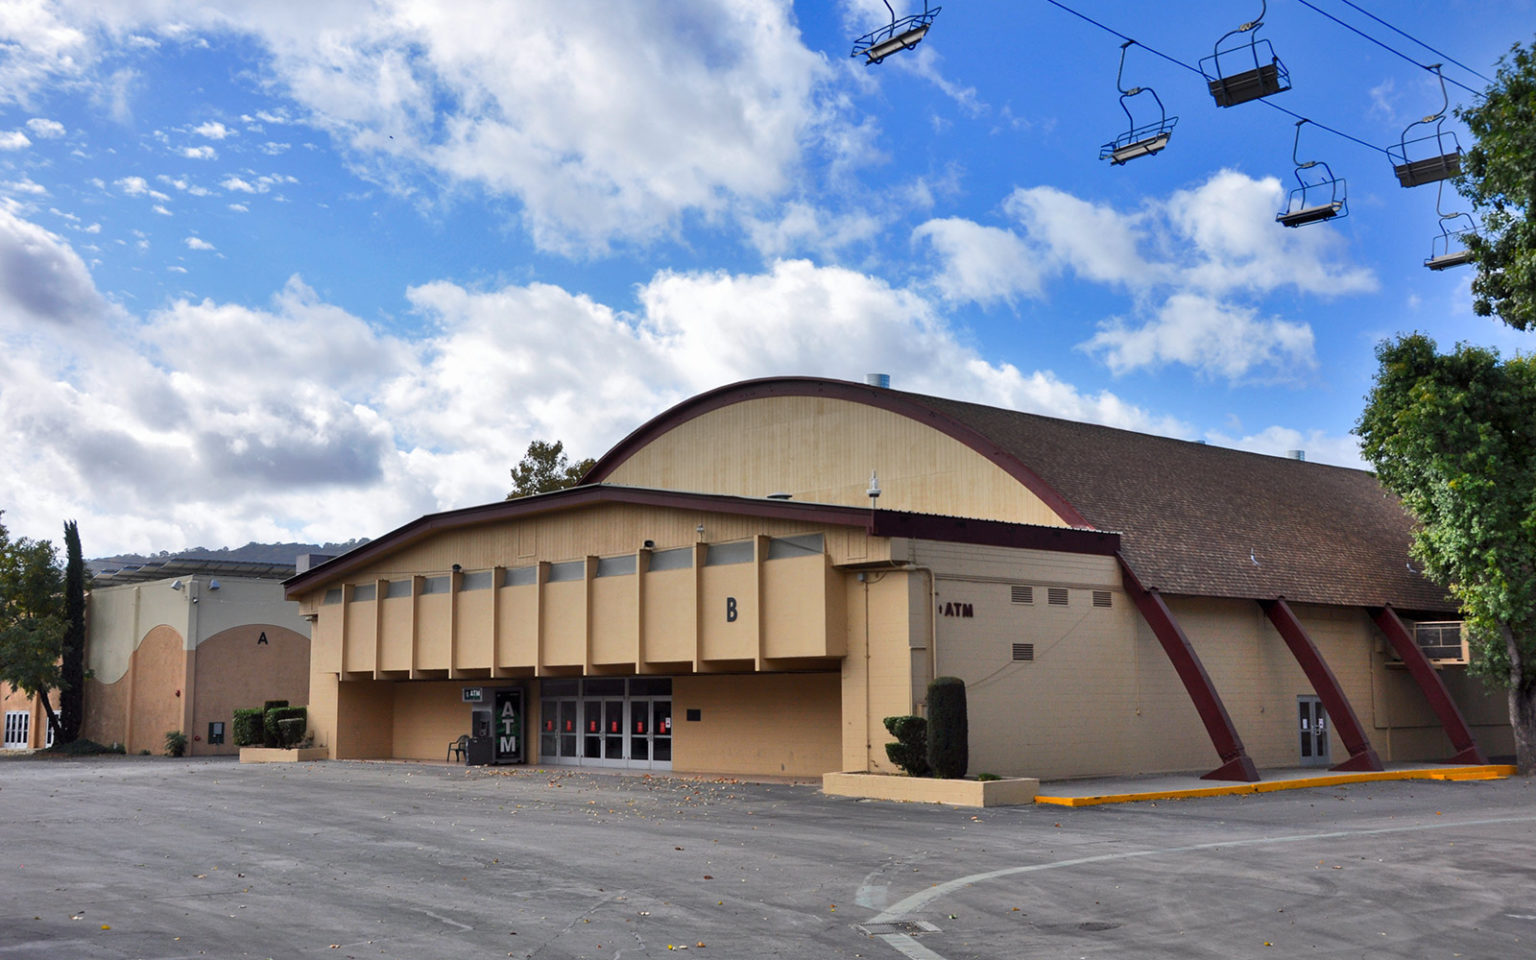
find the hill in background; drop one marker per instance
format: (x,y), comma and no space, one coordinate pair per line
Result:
(253,551)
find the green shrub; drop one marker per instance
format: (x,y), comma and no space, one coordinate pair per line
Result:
(290,731)
(984,777)
(175,744)
(246,729)
(269,726)
(275,732)
(910,751)
(948,728)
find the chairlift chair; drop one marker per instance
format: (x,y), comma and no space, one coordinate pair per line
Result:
(902,34)
(1228,76)
(1444,157)
(1316,200)
(1140,141)
(1450,249)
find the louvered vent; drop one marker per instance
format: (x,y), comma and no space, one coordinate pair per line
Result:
(1056,596)
(1023,594)
(1023,651)
(1101,598)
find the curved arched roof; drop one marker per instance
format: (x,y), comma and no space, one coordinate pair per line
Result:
(1194,519)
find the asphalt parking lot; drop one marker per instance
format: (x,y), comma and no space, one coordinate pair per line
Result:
(149,857)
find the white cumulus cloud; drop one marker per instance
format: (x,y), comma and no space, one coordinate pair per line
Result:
(45,129)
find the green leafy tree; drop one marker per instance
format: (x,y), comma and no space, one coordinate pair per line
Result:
(31,618)
(72,664)
(545,468)
(1454,435)
(1499,176)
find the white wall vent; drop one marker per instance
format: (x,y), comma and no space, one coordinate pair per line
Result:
(1022,593)
(1101,598)
(1023,651)
(1056,596)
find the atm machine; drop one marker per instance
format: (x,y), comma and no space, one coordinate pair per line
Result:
(481,749)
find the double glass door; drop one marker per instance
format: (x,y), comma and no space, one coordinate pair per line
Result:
(1313,721)
(607,722)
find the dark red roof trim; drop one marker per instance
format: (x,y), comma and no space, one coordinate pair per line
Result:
(880,523)
(880,397)
(994,533)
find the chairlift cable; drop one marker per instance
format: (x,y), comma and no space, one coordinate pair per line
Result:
(1196,71)
(1324,126)
(1385,46)
(1112,30)
(1416,40)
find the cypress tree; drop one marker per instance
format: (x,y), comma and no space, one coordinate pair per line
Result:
(949,735)
(72,690)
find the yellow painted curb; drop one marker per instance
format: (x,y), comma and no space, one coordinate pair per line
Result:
(1492,771)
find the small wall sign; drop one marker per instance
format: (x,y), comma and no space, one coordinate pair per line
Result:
(262,639)
(730,609)
(957,610)
(474,694)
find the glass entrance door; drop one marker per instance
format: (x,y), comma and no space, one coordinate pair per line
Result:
(650,732)
(607,722)
(1313,720)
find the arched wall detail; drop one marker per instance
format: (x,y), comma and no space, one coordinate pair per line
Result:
(819,440)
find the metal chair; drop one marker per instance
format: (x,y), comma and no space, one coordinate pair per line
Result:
(1230,86)
(1140,141)
(1315,200)
(903,34)
(1427,159)
(457,747)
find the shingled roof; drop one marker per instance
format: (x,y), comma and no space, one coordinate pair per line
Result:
(1194,519)
(1210,521)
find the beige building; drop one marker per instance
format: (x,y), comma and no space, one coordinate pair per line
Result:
(181,644)
(725,595)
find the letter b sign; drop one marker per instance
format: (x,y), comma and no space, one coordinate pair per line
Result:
(730,609)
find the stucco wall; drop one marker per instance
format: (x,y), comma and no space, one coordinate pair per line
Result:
(234,670)
(783,724)
(159,684)
(741,449)
(365,724)
(428,714)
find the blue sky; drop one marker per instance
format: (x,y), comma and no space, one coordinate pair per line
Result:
(308,270)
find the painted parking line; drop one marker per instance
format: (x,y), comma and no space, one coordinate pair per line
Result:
(904,909)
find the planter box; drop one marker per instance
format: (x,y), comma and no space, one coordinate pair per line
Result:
(279,755)
(958,793)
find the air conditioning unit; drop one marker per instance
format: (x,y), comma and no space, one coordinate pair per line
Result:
(1443,641)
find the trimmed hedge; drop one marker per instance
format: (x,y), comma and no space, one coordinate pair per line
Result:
(290,731)
(246,729)
(276,732)
(910,751)
(949,736)
(269,726)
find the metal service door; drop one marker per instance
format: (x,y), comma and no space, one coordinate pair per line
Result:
(1313,729)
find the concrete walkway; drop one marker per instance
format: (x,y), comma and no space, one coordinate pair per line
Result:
(1086,793)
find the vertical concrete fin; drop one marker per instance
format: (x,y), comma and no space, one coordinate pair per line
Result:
(1362,756)
(1236,764)
(1423,673)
